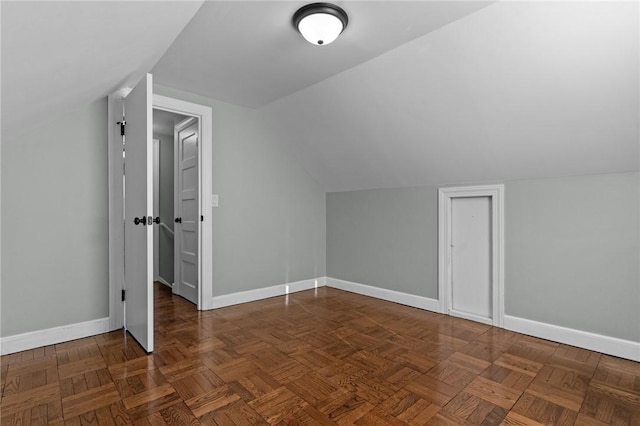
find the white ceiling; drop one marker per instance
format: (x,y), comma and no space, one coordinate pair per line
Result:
(165,121)
(516,90)
(57,56)
(248,53)
(413,93)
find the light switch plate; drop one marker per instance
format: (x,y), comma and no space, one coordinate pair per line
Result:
(214,200)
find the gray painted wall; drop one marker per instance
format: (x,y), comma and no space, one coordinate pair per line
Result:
(385,238)
(268,230)
(270,226)
(54,222)
(572,252)
(571,248)
(166,206)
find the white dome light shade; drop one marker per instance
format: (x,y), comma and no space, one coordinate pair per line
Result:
(320,28)
(320,23)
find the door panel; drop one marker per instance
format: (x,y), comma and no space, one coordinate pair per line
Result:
(187,208)
(156,209)
(139,204)
(471,256)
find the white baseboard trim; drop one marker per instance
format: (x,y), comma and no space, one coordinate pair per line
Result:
(52,336)
(583,339)
(264,293)
(384,294)
(165,282)
(471,317)
(609,345)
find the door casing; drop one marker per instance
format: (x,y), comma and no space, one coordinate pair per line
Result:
(445,197)
(116,225)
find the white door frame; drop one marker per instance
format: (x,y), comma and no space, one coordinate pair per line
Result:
(205,180)
(116,210)
(116,224)
(445,197)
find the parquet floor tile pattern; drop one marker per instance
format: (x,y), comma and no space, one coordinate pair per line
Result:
(319,357)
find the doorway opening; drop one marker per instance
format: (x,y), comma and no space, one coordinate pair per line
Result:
(470,252)
(176,240)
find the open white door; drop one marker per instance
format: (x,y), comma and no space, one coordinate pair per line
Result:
(138,228)
(187,209)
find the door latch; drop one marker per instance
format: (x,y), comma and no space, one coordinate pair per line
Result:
(178,220)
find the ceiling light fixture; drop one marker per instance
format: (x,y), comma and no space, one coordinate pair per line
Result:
(320,23)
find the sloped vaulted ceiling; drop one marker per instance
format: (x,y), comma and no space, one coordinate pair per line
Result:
(413,93)
(515,90)
(248,53)
(58,56)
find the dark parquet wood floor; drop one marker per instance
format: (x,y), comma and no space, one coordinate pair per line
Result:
(317,357)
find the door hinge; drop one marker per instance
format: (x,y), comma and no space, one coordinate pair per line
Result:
(201,218)
(122,124)
(123,292)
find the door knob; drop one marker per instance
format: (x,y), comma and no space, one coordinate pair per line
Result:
(140,220)
(178,220)
(156,220)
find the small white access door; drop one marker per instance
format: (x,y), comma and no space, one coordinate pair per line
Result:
(470,252)
(138,228)
(187,210)
(471,288)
